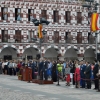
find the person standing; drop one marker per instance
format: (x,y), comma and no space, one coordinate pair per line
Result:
(88,75)
(14,67)
(77,75)
(45,69)
(82,74)
(32,66)
(73,71)
(67,73)
(40,69)
(0,67)
(54,72)
(10,67)
(18,67)
(95,72)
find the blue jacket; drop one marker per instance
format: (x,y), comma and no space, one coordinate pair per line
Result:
(82,70)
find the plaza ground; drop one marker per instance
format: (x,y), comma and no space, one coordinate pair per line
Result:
(13,89)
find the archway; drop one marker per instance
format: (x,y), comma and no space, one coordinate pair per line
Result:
(8,53)
(89,55)
(51,53)
(30,52)
(70,54)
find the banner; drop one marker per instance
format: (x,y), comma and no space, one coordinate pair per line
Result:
(94,22)
(40,31)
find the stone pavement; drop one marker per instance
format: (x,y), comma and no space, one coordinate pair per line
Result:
(13,89)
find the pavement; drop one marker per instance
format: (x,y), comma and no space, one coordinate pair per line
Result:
(13,89)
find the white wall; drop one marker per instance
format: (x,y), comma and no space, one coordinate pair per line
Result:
(8,51)
(89,53)
(51,53)
(30,52)
(70,53)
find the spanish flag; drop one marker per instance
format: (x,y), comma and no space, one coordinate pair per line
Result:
(94,22)
(40,31)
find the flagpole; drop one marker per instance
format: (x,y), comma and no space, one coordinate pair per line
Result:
(96,34)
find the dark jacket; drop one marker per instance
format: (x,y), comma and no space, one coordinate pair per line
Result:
(41,66)
(82,70)
(88,72)
(95,70)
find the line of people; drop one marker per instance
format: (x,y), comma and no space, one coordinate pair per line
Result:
(81,72)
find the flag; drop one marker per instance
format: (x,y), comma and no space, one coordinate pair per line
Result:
(94,22)
(40,35)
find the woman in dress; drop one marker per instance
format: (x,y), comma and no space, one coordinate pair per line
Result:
(67,73)
(77,75)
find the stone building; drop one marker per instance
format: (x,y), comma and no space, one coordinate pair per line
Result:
(68,34)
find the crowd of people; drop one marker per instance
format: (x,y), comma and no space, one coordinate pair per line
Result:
(82,73)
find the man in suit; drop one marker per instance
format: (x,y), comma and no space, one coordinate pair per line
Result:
(32,66)
(95,71)
(82,70)
(88,75)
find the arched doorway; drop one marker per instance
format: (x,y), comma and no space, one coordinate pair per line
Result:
(8,53)
(70,54)
(89,55)
(30,52)
(51,53)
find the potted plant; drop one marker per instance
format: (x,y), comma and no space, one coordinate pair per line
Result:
(19,75)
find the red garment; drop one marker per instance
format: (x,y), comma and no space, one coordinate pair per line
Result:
(77,72)
(19,65)
(68,78)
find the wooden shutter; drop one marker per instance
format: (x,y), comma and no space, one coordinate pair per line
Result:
(79,17)
(56,37)
(4,36)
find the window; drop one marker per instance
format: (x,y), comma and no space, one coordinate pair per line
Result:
(56,37)
(4,12)
(56,16)
(31,35)
(30,14)
(79,37)
(4,36)
(68,37)
(79,17)
(91,38)
(89,17)
(17,14)
(17,36)
(67,16)
(44,14)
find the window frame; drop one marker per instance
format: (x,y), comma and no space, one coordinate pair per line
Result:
(79,17)
(3,12)
(67,16)
(4,35)
(17,13)
(55,16)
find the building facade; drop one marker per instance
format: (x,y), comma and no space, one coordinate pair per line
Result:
(68,34)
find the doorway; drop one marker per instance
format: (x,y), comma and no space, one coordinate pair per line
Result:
(7,57)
